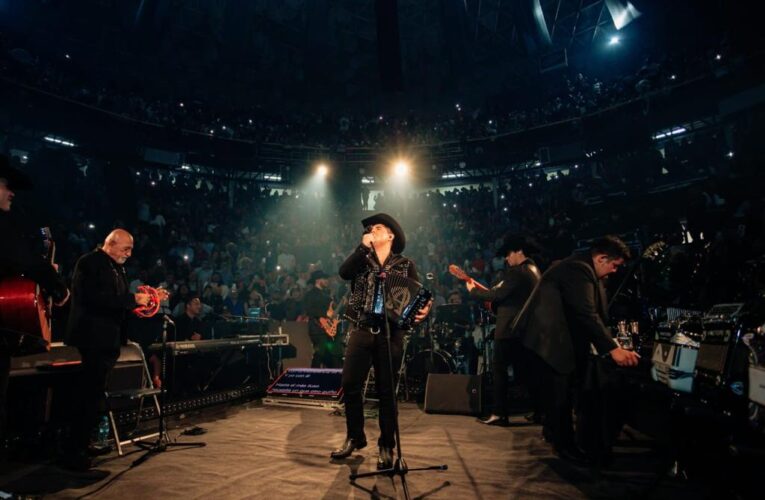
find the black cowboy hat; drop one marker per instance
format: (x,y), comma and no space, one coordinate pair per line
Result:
(399,239)
(317,275)
(16,179)
(513,242)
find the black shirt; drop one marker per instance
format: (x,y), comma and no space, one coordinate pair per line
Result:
(186,326)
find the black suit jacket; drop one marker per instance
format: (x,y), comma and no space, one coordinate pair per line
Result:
(509,294)
(100,303)
(568,312)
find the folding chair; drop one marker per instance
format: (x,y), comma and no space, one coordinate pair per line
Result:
(130,383)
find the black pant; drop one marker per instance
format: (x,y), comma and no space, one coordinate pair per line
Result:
(366,349)
(502,359)
(90,401)
(512,352)
(5,370)
(558,393)
(602,408)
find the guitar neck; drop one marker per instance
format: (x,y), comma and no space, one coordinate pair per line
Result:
(479,285)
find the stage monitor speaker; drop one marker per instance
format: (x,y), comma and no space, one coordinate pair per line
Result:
(453,394)
(298,332)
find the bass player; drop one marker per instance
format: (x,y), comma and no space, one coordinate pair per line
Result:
(18,257)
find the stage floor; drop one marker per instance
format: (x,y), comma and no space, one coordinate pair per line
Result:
(256,451)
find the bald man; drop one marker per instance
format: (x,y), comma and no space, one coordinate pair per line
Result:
(101,301)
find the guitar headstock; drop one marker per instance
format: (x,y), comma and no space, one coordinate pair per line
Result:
(458,273)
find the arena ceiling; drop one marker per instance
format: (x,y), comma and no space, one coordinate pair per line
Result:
(312,51)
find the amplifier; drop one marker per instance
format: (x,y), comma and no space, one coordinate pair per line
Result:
(452,393)
(674,356)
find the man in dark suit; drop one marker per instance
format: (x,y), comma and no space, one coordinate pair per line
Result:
(508,296)
(568,315)
(18,257)
(101,301)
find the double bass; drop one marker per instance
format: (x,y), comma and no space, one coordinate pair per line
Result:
(25,311)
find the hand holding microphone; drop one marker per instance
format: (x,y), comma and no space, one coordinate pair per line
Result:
(368,240)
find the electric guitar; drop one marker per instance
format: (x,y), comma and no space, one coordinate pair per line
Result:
(458,273)
(329,324)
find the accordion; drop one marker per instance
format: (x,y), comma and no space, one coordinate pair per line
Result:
(403,298)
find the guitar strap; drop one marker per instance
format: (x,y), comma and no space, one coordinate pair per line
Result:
(516,321)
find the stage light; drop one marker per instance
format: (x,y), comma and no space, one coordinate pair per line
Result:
(91,226)
(322,170)
(180,104)
(718,57)
(67,56)
(730,154)
(401,168)
(672,77)
(614,40)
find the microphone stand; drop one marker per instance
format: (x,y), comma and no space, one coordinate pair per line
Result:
(163,441)
(400,467)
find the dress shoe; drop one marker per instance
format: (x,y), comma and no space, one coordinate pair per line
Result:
(79,462)
(495,420)
(547,435)
(349,446)
(533,418)
(97,451)
(385,459)
(573,455)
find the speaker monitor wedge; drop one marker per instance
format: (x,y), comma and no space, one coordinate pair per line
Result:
(451,393)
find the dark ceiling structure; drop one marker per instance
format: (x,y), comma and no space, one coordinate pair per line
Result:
(318,53)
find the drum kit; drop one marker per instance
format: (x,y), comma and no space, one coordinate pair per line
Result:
(445,344)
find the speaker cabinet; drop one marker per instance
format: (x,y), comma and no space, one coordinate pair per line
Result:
(451,393)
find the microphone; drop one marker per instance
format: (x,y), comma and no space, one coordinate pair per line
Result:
(168,319)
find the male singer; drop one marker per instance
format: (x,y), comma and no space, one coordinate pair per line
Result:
(380,250)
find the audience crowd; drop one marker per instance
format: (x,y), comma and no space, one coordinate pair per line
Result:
(251,251)
(555,97)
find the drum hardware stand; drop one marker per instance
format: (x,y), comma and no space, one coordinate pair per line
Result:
(163,441)
(400,467)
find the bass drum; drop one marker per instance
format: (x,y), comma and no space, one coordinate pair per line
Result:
(424,362)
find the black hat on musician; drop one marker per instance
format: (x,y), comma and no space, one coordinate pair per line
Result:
(513,242)
(15,178)
(317,275)
(399,239)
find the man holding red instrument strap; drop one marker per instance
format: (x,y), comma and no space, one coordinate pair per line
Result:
(101,301)
(17,257)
